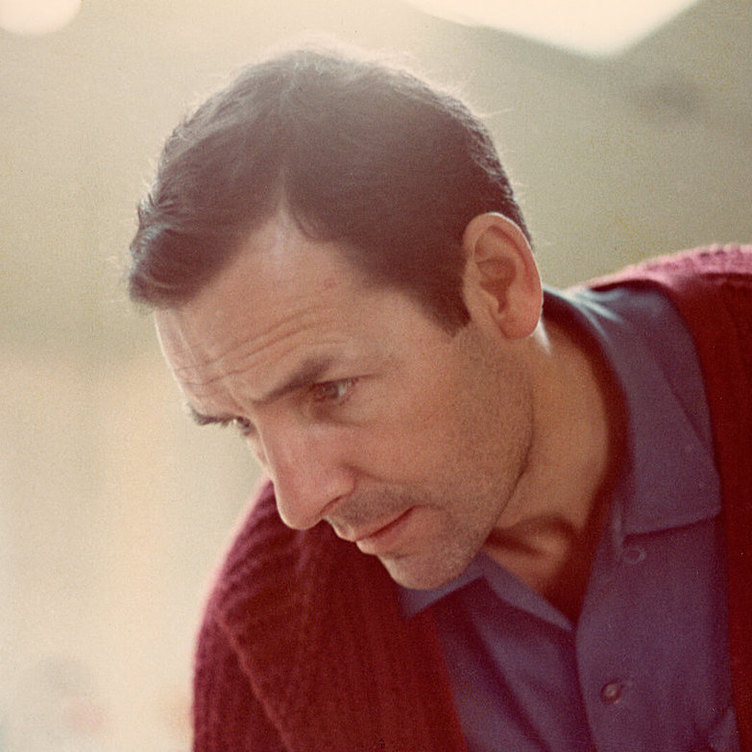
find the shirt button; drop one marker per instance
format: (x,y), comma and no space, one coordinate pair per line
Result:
(633,554)
(612,692)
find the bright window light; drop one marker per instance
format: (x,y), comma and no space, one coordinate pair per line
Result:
(596,27)
(37,16)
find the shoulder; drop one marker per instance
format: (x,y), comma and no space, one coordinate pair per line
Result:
(282,595)
(685,267)
(300,622)
(710,286)
(271,572)
(265,620)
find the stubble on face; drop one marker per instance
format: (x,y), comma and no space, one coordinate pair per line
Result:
(485,459)
(433,549)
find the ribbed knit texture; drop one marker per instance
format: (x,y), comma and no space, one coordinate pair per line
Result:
(303,647)
(311,627)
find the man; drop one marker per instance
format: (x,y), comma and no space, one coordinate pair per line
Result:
(497,519)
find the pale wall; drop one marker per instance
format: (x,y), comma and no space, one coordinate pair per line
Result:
(113,507)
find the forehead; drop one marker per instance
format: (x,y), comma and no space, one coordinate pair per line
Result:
(283,297)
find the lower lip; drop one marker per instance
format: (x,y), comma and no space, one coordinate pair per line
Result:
(387,537)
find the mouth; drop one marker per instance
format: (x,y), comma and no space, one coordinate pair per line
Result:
(381,539)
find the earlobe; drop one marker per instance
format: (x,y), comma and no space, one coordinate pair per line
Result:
(502,274)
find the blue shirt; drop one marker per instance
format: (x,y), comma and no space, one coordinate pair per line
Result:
(645,668)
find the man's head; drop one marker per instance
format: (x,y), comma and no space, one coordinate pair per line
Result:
(354,151)
(339,270)
(364,411)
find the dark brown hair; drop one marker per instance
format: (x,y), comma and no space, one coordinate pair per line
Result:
(359,152)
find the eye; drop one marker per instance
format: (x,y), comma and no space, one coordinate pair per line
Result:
(244,425)
(332,391)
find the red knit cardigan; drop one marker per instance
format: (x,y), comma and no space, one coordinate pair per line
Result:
(303,647)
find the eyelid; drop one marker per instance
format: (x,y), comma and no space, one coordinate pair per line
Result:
(317,390)
(245,426)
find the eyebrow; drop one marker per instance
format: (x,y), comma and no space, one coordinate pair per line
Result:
(310,371)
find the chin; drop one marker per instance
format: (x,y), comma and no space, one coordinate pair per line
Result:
(421,574)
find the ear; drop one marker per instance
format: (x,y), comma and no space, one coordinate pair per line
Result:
(501,276)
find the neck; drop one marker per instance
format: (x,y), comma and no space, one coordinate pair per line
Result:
(548,534)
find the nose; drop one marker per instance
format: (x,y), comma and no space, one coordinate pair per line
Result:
(307,467)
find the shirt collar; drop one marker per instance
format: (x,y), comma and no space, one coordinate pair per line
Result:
(414,601)
(669,478)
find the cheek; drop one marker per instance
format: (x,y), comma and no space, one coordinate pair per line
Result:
(417,446)
(421,425)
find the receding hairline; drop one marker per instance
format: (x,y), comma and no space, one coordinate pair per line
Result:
(166,276)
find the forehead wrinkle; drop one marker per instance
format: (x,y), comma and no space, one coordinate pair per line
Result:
(283,331)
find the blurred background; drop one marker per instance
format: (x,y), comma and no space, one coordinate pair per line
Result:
(114,508)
